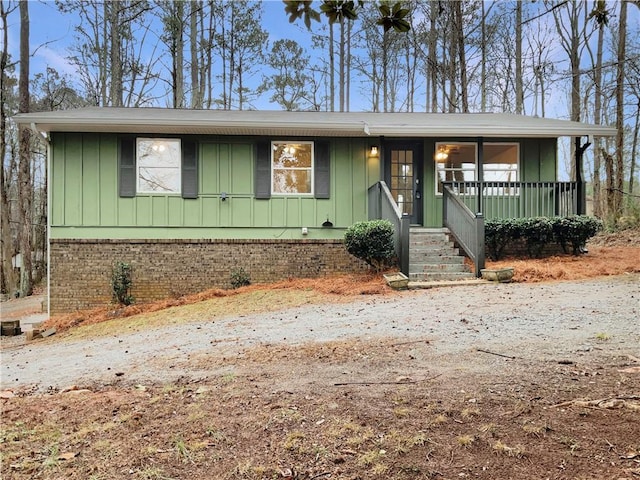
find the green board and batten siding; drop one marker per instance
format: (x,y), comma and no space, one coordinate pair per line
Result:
(85,201)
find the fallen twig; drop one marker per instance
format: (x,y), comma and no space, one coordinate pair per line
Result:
(497,354)
(409,343)
(613,402)
(402,382)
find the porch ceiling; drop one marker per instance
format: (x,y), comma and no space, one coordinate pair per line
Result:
(286,124)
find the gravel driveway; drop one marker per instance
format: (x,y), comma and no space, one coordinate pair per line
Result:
(550,321)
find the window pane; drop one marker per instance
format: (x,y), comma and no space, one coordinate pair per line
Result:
(291,181)
(292,167)
(455,162)
(158,165)
(501,162)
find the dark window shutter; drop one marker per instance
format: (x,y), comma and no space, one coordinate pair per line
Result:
(263,170)
(189,169)
(322,170)
(127,168)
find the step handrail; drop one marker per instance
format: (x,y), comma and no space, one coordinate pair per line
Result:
(466,227)
(382,206)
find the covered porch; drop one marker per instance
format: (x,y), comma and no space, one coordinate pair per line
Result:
(467,200)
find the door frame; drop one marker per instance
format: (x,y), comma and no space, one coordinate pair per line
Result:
(417,217)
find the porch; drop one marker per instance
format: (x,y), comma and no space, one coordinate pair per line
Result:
(466,206)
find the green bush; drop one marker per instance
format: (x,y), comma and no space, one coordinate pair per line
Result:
(121,283)
(498,233)
(539,232)
(239,278)
(575,231)
(371,241)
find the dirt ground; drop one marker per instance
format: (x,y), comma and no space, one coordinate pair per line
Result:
(535,379)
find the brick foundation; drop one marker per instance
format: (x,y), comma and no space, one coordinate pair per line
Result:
(80,273)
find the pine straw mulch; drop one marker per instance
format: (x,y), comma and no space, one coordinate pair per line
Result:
(331,288)
(609,254)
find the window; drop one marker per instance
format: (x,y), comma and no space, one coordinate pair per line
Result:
(457,162)
(500,162)
(292,168)
(158,162)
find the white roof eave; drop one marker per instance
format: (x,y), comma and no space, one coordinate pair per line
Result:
(352,124)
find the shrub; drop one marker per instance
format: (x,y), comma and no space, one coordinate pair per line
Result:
(497,235)
(239,278)
(121,283)
(575,231)
(538,232)
(371,241)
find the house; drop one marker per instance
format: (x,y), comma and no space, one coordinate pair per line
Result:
(187,197)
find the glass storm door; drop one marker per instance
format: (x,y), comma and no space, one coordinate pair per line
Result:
(405,162)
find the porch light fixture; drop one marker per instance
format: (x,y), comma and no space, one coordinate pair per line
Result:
(374,151)
(441,155)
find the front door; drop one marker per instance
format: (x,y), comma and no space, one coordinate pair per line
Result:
(403,163)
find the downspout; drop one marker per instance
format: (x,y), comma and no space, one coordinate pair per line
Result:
(581,204)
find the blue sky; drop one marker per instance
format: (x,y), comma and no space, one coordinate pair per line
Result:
(52,33)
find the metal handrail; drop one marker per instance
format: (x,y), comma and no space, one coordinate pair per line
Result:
(466,227)
(383,206)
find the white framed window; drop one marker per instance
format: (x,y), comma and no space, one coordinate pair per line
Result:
(158,165)
(292,165)
(457,162)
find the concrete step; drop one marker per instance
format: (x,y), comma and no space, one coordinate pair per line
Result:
(437,267)
(440,276)
(433,257)
(444,243)
(436,259)
(428,230)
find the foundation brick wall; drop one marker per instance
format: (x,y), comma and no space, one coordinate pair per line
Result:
(80,270)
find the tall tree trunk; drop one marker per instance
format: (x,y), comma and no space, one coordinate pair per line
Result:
(459,27)
(622,48)
(483,60)
(116,54)
(433,55)
(8,281)
(178,54)
(332,70)
(385,72)
(196,95)
(575,80)
(342,61)
(519,87)
(453,54)
(597,157)
(348,88)
(25,187)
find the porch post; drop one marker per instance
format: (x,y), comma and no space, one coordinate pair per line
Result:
(581,201)
(480,169)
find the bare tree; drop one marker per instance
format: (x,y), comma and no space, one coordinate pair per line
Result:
(616,204)
(25,190)
(174,20)
(113,54)
(600,14)
(240,41)
(8,280)
(518,75)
